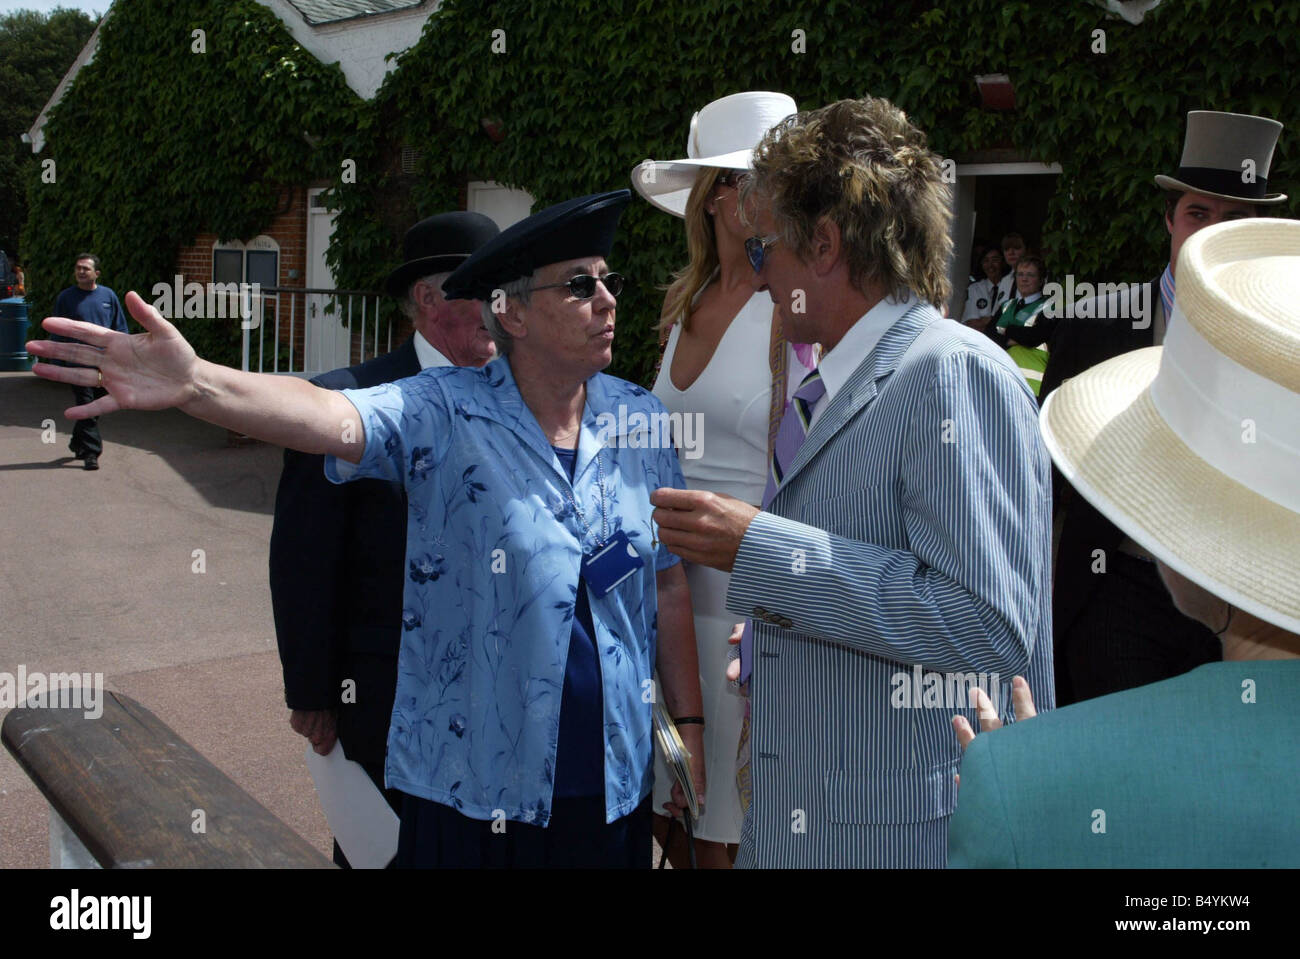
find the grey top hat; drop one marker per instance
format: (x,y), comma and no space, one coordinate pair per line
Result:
(1215,154)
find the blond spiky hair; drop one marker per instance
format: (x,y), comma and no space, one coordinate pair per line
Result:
(864,166)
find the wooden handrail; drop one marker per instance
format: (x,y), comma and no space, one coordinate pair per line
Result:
(137,795)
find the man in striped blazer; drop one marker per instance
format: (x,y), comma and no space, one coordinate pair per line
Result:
(903,553)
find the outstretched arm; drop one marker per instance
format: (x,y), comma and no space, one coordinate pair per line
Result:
(158,369)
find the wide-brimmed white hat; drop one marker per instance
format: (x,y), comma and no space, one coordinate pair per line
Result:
(723,134)
(1193,448)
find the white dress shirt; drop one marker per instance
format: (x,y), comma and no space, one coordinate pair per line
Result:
(861,338)
(427,355)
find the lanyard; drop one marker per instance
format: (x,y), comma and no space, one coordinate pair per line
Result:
(604,519)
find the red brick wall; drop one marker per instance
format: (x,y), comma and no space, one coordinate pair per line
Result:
(288,229)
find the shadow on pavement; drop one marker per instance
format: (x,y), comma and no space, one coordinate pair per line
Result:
(229,477)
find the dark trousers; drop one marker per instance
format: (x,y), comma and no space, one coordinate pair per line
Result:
(1130,634)
(376,773)
(85,433)
(577,837)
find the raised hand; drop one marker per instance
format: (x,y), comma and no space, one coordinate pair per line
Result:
(153,370)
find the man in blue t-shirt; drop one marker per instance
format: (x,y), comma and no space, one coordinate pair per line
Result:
(90,303)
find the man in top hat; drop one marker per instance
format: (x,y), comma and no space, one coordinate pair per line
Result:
(337,551)
(1199,770)
(1115,626)
(539,602)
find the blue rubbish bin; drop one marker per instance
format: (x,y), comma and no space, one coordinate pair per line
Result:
(13,335)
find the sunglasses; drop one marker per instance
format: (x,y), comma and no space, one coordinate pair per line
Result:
(756,248)
(583,286)
(732,178)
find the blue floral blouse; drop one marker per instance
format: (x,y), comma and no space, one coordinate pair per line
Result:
(494,547)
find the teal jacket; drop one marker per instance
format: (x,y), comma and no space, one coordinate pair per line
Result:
(1195,771)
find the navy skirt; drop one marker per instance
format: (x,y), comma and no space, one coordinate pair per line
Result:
(435,836)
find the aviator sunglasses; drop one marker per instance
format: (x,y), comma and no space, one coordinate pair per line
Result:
(756,248)
(583,286)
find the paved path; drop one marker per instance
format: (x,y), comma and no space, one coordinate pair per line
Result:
(97,575)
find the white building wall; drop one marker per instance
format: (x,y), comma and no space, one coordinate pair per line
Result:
(358,45)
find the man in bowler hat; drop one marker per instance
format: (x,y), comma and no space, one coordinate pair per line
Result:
(337,551)
(1115,625)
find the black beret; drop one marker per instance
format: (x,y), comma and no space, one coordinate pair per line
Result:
(567,231)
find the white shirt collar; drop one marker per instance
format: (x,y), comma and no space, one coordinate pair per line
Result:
(838,365)
(427,355)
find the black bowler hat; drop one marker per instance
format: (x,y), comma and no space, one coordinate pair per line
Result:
(439,244)
(566,231)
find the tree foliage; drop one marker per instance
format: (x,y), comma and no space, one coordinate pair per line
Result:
(36,49)
(155,143)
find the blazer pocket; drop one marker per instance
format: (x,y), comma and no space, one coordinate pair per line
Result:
(870,512)
(891,796)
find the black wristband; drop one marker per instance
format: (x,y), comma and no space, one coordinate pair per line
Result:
(689,720)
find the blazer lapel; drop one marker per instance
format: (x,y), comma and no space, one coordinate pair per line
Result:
(862,386)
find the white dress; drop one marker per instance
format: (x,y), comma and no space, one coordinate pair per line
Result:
(732,396)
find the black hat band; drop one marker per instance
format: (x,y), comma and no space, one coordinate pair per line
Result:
(1214,180)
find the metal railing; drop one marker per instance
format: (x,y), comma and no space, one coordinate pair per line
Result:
(307,331)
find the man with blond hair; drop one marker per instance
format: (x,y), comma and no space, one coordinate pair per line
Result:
(906,533)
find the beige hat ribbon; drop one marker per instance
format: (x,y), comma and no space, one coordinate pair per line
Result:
(1244,425)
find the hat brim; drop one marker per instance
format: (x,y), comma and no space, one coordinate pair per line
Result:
(1169,183)
(1107,438)
(671,181)
(400,280)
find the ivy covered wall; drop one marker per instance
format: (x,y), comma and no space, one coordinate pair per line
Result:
(155,143)
(167,133)
(584,90)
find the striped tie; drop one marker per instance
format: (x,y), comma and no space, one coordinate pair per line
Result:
(793,429)
(789,437)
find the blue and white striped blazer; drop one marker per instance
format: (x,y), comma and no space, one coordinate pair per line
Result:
(910,542)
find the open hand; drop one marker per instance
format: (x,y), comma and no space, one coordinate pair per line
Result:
(153,370)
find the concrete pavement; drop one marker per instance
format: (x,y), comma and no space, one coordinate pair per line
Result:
(99,574)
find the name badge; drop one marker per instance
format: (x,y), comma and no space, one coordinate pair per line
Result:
(611,564)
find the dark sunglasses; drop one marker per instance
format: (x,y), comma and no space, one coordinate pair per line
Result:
(756,248)
(732,178)
(583,286)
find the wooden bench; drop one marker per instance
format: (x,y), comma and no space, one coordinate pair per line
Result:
(134,794)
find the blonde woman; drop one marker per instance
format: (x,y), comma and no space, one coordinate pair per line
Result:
(724,361)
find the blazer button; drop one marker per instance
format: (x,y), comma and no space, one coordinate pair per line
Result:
(760,612)
(784,621)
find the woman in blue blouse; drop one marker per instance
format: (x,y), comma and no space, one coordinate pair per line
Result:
(538,600)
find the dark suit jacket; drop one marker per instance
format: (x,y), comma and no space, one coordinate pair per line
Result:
(337,557)
(1077,344)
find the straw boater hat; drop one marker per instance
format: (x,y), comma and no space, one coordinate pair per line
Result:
(723,135)
(1193,448)
(1214,154)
